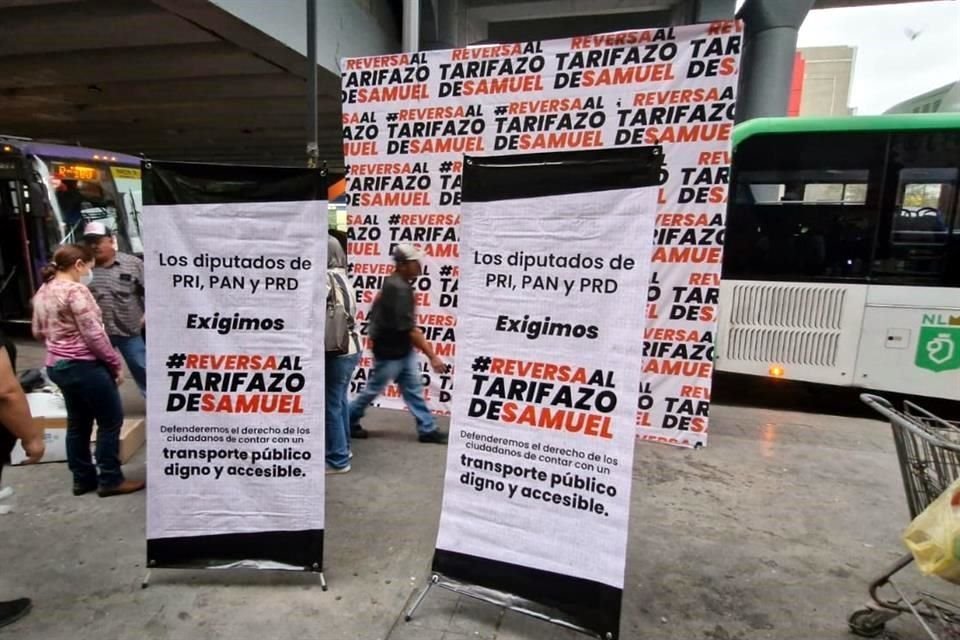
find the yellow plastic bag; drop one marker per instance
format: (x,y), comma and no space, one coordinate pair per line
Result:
(934,536)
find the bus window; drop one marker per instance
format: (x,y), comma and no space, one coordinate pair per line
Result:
(809,224)
(816,230)
(762,193)
(85,192)
(924,206)
(837,193)
(920,227)
(70,201)
(802,208)
(127,181)
(803,187)
(916,244)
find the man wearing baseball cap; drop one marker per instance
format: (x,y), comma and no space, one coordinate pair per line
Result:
(395,334)
(118,288)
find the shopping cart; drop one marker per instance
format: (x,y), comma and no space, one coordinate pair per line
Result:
(928,449)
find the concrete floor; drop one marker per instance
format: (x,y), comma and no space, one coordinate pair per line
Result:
(773,531)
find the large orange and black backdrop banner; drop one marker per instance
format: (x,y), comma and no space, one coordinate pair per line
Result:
(410,119)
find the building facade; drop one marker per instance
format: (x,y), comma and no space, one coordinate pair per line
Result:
(822,80)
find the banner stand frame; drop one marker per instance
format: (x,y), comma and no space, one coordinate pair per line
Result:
(436,580)
(323,580)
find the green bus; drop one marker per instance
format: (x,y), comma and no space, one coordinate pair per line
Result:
(842,256)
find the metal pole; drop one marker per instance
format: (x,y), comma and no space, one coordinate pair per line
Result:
(411,25)
(313,150)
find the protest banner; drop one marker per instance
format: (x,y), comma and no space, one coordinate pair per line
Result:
(537,490)
(234,263)
(409,119)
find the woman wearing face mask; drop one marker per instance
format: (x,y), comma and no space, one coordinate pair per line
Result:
(86,367)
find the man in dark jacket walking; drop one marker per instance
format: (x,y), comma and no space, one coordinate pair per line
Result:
(395,334)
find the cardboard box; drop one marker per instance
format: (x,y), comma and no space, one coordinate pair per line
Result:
(56,446)
(47,405)
(50,423)
(50,414)
(133,434)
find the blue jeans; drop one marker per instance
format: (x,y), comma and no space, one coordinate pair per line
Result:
(404,372)
(90,393)
(134,352)
(339,370)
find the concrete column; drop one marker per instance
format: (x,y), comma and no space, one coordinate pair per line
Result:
(713,10)
(411,25)
(448,23)
(694,11)
(770,44)
(440,22)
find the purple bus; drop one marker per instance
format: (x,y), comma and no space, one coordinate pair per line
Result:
(48,192)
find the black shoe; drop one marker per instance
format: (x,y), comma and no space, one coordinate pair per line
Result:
(436,437)
(13,610)
(358,433)
(80,489)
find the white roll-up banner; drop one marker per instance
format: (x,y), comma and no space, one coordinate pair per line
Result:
(555,265)
(234,261)
(409,119)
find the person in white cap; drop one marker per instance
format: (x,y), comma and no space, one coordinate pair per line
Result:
(118,289)
(395,334)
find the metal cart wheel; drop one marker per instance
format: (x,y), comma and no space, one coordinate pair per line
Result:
(868,623)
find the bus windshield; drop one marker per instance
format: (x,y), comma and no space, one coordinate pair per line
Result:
(83,192)
(127,183)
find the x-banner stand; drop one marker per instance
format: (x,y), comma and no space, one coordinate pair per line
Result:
(460,588)
(240,565)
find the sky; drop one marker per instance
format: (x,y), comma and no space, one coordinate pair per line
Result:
(889,66)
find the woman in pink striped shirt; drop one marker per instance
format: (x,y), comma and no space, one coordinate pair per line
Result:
(86,367)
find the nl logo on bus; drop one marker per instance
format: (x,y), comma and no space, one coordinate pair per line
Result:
(939,346)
